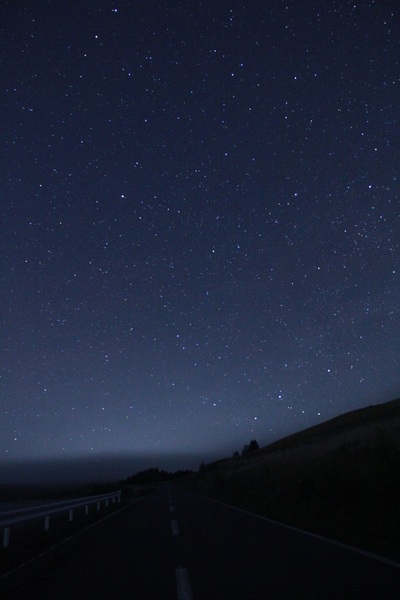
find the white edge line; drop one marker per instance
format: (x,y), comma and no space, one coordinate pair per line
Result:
(67,539)
(183,584)
(383,559)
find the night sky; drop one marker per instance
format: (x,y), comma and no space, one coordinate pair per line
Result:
(200,226)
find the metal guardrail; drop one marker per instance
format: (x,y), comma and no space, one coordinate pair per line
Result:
(31,513)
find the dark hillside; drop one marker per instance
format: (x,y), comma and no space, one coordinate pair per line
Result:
(340,478)
(369,416)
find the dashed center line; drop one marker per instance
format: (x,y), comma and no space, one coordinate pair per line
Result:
(182,578)
(183,584)
(174,527)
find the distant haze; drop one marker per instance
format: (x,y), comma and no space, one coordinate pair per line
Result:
(90,469)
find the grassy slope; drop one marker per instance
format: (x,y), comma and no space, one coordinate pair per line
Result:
(340,479)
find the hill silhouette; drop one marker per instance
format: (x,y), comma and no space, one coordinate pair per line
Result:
(340,478)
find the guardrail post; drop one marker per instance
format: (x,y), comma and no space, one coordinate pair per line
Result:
(6,537)
(46,510)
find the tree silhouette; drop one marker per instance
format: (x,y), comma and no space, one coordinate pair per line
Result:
(252,447)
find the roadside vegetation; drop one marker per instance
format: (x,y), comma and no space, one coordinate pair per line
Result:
(340,479)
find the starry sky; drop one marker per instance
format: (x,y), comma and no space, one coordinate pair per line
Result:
(200,226)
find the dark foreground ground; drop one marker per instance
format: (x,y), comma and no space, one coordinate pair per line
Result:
(173,544)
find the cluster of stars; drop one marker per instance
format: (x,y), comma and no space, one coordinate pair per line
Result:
(201,224)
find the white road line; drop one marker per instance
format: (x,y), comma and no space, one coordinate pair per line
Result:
(183,584)
(382,559)
(65,540)
(174,526)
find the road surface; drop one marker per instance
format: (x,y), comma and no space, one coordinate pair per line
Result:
(174,545)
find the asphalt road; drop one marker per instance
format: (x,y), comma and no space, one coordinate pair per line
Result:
(181,546)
